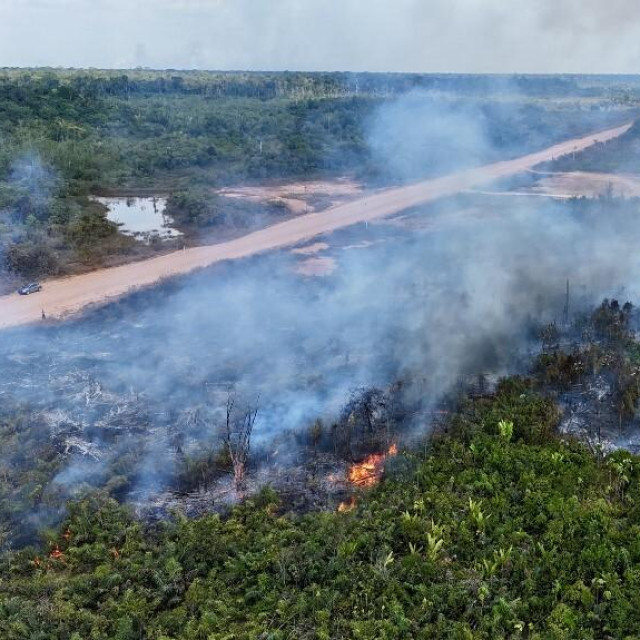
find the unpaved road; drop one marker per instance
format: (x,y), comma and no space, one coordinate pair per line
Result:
(68,295)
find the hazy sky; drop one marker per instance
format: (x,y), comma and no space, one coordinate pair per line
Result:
(375,35)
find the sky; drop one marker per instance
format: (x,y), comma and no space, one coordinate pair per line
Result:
(462,36)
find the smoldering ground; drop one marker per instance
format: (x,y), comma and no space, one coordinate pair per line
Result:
(422,307)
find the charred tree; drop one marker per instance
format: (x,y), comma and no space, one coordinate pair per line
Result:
(364,424)
(237,439)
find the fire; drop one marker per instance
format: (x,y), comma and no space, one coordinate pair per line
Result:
(368,472)
(345,507)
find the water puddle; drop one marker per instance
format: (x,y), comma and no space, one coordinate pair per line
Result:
(143,218)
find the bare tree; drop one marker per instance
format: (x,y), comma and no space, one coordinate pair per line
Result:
(237,439)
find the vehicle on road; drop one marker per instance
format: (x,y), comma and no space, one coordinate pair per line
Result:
(33,287)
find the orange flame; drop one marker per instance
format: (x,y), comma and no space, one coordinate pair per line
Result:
(368,472)
(345,507)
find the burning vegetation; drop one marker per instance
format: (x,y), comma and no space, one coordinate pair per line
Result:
(590,365)
(439,525)
(314,408)
(368,472)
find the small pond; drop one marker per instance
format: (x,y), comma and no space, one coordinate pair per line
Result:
(143,218)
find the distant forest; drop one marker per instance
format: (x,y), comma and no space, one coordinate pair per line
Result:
(69,134)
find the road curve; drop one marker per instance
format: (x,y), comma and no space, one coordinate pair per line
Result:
(64,296)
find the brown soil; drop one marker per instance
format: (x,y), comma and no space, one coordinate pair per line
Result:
(68,295)
(299,197)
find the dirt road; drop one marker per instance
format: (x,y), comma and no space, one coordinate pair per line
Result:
(69,295)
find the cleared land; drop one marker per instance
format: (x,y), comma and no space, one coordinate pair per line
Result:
(587,184)
(69,295)
(564,185)
(299,197)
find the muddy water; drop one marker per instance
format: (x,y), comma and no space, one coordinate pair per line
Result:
(143,218)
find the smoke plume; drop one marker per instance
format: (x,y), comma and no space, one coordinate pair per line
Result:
(452,290)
